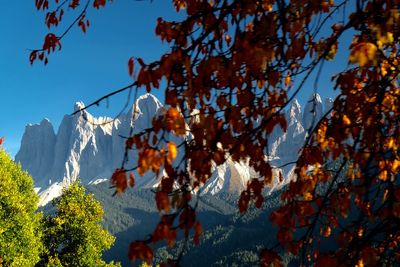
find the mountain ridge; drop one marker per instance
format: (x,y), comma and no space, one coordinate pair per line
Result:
(91,149)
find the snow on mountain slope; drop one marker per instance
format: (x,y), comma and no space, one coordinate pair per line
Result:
(86,148)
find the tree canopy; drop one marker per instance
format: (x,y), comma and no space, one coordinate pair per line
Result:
(232,69)
(74,235)
(20,232)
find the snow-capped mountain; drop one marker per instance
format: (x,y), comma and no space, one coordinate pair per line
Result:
(90,149)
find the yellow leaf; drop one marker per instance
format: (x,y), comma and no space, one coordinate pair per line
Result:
(307,196)
(385,195)
(395,166)
(346,120)
(364,54)
(287,80)
(382,37)
(327,231)
(172,152)
(383,175)
(360,232)
(360,263)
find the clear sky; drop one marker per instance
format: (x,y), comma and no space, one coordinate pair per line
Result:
(88,66)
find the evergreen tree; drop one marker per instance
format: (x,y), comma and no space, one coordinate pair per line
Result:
(74,235)
(20,235)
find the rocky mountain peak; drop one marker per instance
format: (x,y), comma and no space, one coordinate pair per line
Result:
(82,148)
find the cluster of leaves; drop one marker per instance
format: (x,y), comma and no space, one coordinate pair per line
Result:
(233,67)
(20,240)
(54,17)
(73,237)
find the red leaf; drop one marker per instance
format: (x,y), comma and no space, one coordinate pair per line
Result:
(51,41)
(32,56)
(1,140)
(131,179)
(82,25)
(119,180)
(162,201)
(269,257)
(131,66)
(99,3)
(244,201)
(139,250)
(197,233)
(39,4)
(74,4)
(259,201)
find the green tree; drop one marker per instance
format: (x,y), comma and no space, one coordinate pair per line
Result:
(73,236)
(20,235)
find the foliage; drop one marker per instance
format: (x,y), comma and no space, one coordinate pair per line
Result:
(233,67)
(20,234)
(74,235)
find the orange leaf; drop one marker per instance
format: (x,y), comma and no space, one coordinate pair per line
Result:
(346,120)
(162,201)
(327,231)
(172,152)
(119,180)
(131,179)
(139,250)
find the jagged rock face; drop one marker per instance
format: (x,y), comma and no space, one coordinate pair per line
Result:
(292,140)
(83,146)
(87,148)
(37,150)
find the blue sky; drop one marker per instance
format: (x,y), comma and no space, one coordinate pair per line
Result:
(88,66)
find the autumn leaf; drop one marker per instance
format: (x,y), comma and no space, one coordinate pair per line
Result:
(162,201)
(244,201)
(364,54)
(82,24)
(131,179)
(119,180)
(327,231)
(172,152)
(346,120)
(131,66)
(270,258)
(140,250)
(33,56)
